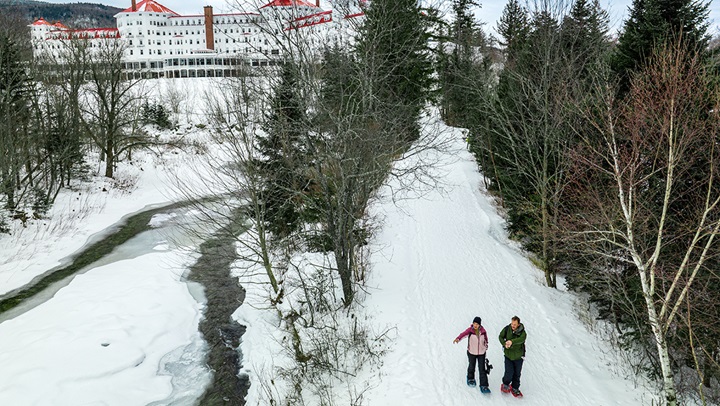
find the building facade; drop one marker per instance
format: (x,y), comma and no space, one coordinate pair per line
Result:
(159,42)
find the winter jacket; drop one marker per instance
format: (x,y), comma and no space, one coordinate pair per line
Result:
(477,341)
(517,349)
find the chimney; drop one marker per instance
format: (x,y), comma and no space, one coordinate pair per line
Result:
(209,34)
(134,6)
(317,3)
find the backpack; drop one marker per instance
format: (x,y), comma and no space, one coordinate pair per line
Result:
(504,333)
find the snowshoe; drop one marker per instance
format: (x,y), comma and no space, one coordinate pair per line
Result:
(471,383)
(484,389)
(504,388)
(517,393)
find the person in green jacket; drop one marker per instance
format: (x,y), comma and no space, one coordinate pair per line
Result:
(512,337)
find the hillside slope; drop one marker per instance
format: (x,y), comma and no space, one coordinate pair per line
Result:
(74,15)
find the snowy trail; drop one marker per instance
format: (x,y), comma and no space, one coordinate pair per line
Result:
(446,258)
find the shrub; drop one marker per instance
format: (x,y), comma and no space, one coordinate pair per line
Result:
(156,114)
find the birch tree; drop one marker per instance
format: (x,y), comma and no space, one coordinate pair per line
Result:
(645,191)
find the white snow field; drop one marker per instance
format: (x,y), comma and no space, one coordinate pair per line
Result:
(113,336)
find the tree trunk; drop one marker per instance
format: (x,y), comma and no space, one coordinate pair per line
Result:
(660,342)
(266,260)
(109,158)
(9,189)
(545,244)
(345,276)
(545,224)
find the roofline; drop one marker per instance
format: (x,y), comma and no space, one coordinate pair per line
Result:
(144,3)
(289,5)
(215,15)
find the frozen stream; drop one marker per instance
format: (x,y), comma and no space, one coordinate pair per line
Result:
(120,331)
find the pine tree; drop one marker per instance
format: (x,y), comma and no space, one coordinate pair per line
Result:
(392,47)
(459,68)
(282,159)
(464,26)
(651,24)
(14,105)
(584,35)
(513,26)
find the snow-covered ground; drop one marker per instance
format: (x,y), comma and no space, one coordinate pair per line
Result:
(115,333)
(125,332)
(78,215)
(114,336)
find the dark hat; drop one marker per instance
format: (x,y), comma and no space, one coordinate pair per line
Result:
(477,320)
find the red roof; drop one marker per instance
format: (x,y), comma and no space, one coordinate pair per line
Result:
(312,19)
(41,21)
(150,5)
(289,3)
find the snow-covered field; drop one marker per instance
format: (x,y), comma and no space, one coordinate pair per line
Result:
(115,333)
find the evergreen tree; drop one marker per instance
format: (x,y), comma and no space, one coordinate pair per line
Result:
(652,23)
(584,35)
(464,26)
(14,105)
(513,27)
(463,71)
(282,154)
(530,131)
(392,48)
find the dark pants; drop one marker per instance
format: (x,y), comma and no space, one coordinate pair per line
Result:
(512,372)
(480,361)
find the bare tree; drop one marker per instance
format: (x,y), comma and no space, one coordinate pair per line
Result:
(58,115)
(112,107)
(528,134)
(322,148)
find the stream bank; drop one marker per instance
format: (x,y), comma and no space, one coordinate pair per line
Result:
(120,233)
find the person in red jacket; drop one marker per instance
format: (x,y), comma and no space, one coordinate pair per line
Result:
(476,349)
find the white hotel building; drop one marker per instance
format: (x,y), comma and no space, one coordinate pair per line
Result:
(162,43)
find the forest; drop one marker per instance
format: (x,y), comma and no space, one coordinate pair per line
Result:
(74,15)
